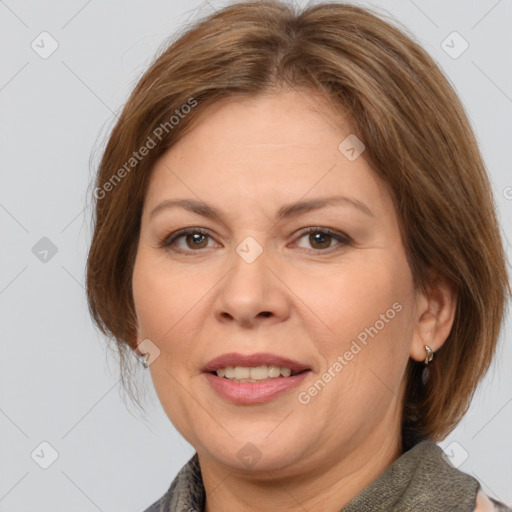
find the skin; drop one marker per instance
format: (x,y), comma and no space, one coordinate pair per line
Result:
(483,503)
(305,297)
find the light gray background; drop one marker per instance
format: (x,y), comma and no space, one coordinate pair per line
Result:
(58,381)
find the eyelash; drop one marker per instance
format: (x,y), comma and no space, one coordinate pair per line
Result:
(169,240)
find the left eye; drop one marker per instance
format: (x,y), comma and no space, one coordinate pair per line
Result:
(321,238)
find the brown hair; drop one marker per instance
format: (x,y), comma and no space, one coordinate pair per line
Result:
(418,140)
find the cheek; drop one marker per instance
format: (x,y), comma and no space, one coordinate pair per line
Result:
(148,299)
(170,307)
(358,298)
(367,308)
(162,297)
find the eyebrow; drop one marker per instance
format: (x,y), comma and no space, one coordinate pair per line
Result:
(285,212)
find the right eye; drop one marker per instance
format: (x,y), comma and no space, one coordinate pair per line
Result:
(194,239)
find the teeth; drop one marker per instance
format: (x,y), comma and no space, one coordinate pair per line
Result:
(274,371)
(242,372)
(286,372)
(258,373)
(253,374)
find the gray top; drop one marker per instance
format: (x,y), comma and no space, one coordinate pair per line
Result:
(419,480)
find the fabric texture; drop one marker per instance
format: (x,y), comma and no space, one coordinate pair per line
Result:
(421,480)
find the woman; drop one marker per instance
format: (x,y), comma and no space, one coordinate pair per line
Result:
(295,232)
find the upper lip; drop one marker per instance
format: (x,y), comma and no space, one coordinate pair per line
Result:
(263,358)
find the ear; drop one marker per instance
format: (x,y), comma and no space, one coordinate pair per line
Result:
(435,312)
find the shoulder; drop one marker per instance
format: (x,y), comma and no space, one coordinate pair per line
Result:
(446,483)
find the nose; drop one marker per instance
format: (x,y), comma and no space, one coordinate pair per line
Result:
(252,293)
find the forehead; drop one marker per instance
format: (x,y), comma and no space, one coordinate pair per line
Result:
(282,123)
(275,148)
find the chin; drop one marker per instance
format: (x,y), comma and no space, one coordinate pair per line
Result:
(255,452)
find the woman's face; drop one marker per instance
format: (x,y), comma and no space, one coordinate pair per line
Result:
(251,280)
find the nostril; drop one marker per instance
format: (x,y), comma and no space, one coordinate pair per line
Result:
(265,313)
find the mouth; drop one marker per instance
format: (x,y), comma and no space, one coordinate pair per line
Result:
(261,373)
(261,366)
(256,378)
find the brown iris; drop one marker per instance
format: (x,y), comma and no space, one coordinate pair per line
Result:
(323,240)
(196,239)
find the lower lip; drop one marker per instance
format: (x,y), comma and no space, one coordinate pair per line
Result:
(247,393)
